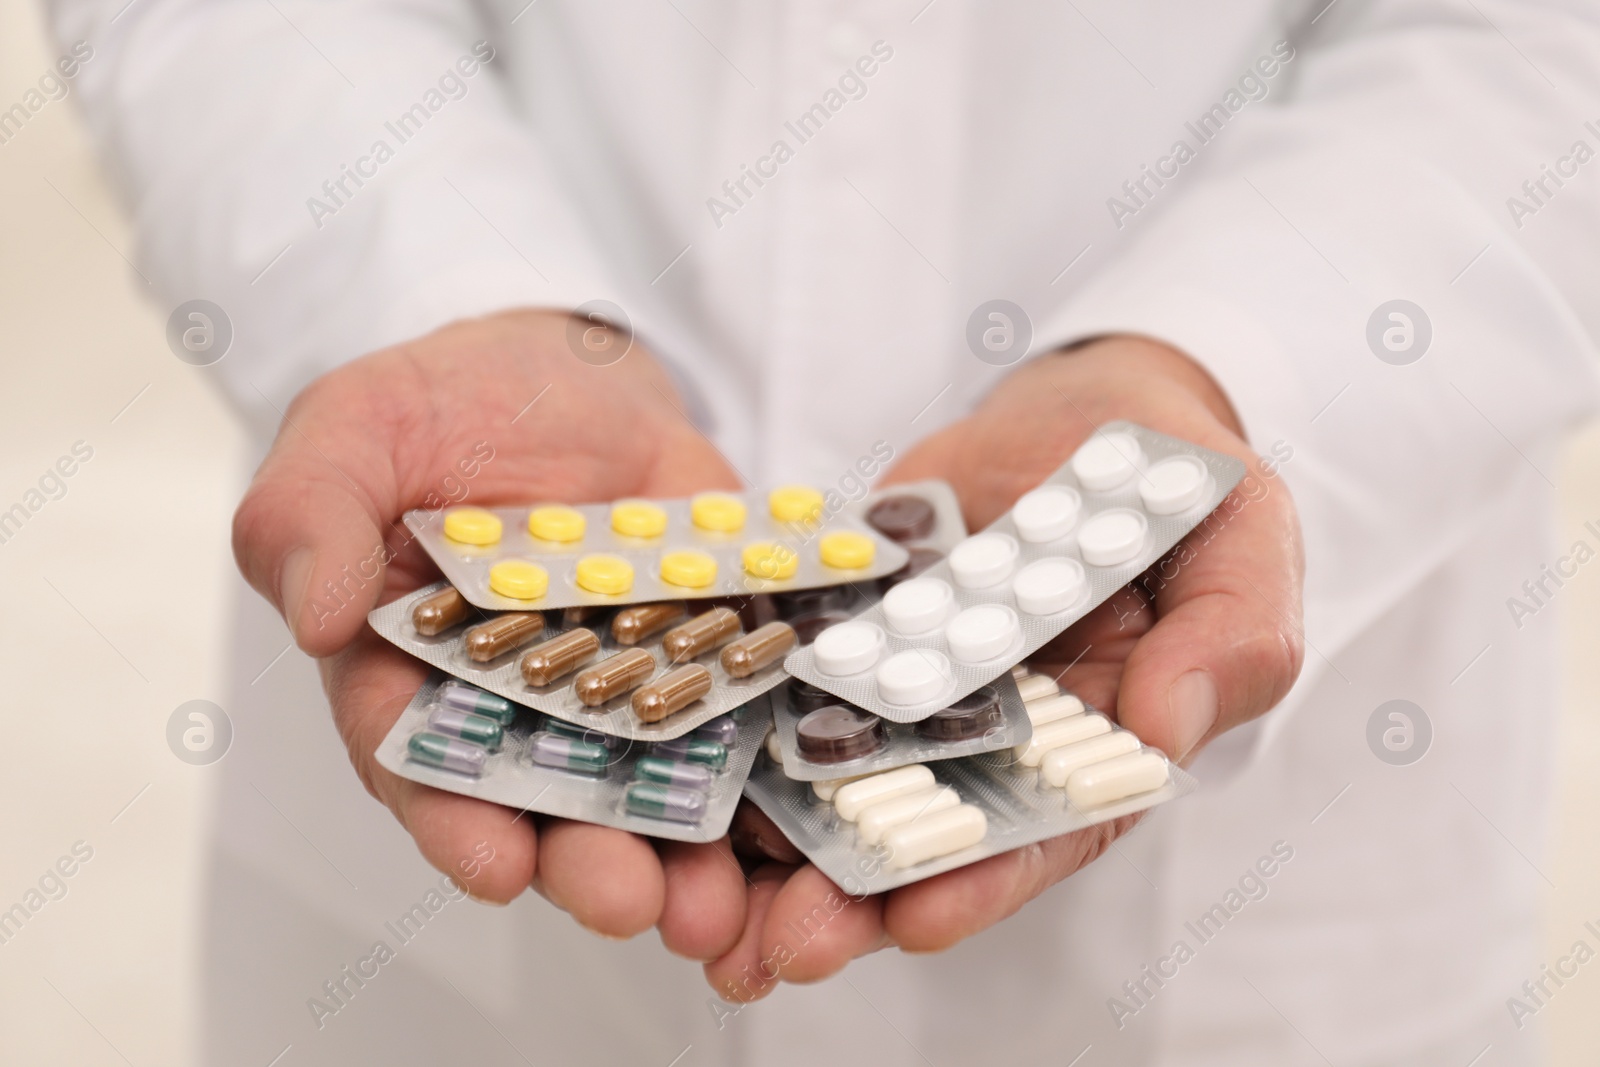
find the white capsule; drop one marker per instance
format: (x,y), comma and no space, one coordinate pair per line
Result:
(982,632)
(853,798)
(914,676)
(876,821)
(1047,586)
(848,648)
(1059,763)
(773,748)
(1061,732)
(983,560)
(825,788)
(1046,514)
(1050,709)
(1020,671)
(1107,460)
(937,835)
(1036,687)
(919,605)
(1112,538)
(1116,779)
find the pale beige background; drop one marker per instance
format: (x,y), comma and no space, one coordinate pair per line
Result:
(93,662)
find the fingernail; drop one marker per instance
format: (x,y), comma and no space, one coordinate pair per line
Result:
(293,579)
(1192,703)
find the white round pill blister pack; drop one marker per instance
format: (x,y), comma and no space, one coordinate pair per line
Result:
(1125,498)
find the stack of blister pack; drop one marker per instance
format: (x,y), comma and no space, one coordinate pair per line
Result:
(908,740)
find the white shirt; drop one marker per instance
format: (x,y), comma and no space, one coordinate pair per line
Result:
(1334,159)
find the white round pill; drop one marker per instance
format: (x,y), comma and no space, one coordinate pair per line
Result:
(1174,485)
(914,676)
(1107,460)
(1046,514)
(982,633)
(848,648)
(1047,586)
(983,560)
(1112,538)
(919,605)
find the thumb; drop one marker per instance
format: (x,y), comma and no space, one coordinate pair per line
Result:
(1227,644)
(307,537)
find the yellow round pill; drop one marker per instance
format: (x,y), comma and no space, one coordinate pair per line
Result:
(605,574)
(472,526)
(717,511)
(519,579)
(556,523)
(692,570)
(770,561)
(795,503)
(638,518)
(847,550)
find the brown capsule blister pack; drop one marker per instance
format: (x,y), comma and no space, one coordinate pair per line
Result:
(647,672)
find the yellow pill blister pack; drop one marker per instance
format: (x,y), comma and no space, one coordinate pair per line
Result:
(636,551)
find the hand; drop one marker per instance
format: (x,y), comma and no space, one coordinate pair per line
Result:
(443,419)
(1190,650)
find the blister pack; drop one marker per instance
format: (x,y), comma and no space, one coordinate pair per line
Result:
(880,831)
(1126,497)
(823,738)
(646,672)
(463,740)
(638,551)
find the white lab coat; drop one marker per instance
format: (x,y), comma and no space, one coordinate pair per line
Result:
(1397,149)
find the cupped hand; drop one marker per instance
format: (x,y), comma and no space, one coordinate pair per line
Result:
(1208,639)
(497,410)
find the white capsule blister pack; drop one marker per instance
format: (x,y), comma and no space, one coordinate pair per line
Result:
(687,795)
(503,674)
(878,832)
(845,742)
(638,551)
(1124,499)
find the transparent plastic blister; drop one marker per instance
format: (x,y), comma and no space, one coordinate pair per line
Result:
(503,674)
(1120,503)
(994,720)
(666,555)
(509,776)
(1018,808)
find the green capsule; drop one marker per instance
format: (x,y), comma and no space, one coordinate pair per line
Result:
(713,754)
(663,802)
(451,753)
(696,776)
(479,729)
(568,754)
(474,701)
(563,728)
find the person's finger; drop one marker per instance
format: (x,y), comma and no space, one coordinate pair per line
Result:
(814,928)
(1227,643)
(488,849)
(609,880)
(309,534)
(741,975)
(703,915)
(932,915)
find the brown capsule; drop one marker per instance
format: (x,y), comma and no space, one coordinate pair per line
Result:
(632,625)
(756,650)
(502,633)
(613,677)
(701,634)
(437,613)
(559,656)
(581,614)
(671,693)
